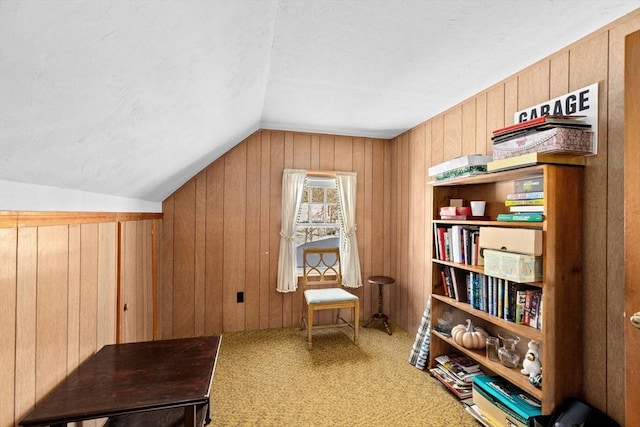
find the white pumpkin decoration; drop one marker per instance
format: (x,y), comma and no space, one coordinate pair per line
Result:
(469,336)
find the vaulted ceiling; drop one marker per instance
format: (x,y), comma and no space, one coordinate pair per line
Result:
(129,99)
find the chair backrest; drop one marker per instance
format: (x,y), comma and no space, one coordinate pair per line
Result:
(321,267)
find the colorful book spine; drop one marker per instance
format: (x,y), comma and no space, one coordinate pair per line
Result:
(526,195)
(524,202)
(512,217)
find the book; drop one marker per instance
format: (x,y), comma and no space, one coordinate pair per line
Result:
(524,202)
(525,196)
(541,123)
(458,163)
(534,309)
(529,185)
(521,300)
(461,389)
(461,367)
(531,159)
(527,208)
(524,217)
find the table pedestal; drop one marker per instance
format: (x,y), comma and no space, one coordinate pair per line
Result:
(380,281)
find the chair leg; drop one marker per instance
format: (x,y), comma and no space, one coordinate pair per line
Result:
(356,322)
(309,325)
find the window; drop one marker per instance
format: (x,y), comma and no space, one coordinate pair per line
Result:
(318,222)
(329,213)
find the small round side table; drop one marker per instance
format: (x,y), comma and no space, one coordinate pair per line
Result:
(380,281)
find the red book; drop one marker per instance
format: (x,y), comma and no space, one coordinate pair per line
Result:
(521,125)
(542,122)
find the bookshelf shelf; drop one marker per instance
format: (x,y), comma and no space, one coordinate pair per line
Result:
(560,336)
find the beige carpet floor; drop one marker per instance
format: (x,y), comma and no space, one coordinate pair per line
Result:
(268,378)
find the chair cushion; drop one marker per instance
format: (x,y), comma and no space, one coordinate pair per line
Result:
(320,296)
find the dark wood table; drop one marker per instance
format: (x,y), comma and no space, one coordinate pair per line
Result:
(124,380)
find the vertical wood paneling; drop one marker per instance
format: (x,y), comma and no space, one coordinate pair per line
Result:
(234,237)
(8,287)
(631,218)
(558,74)
(214,247)
(533,85)
(403,235)
(166,293)
(73,306)
(437,140)
(452,133)
(395,222)
(184,261)
(495,113)
(511,95)
(252,268)
(107,283)
(128,280)
(482,136)
(139,284)
(265,229)
(588,64)
(51,308)
(200,253)
(88,331)
(276,167)
(468,128)
(25,362)
(417,225)
(616,229)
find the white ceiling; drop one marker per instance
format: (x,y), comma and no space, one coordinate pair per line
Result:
(129,99)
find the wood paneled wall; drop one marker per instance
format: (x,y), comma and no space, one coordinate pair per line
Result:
(466,129)
(221,232)
(59,276)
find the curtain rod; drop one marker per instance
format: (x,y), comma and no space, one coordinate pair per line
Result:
(321,173)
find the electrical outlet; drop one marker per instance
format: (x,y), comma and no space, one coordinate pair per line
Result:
(240,297)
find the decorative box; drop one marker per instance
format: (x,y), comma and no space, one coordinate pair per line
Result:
(521,240)
(556,140)
(460,166)
(512,266)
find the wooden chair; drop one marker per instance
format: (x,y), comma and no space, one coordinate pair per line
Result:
(322,284)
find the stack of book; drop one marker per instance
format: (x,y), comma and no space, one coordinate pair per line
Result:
(547,139)
(456,372)
(500,403)
(526,203)
(546,134)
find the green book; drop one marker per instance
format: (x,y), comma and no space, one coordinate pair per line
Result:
(520,217)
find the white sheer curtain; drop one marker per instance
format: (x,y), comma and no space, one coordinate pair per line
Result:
(351,275)
(292,189)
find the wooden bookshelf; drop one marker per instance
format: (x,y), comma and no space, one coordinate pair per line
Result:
(560,335)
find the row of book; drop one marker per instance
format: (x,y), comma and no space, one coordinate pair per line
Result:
(456,372)
(458,243)
(511,301)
